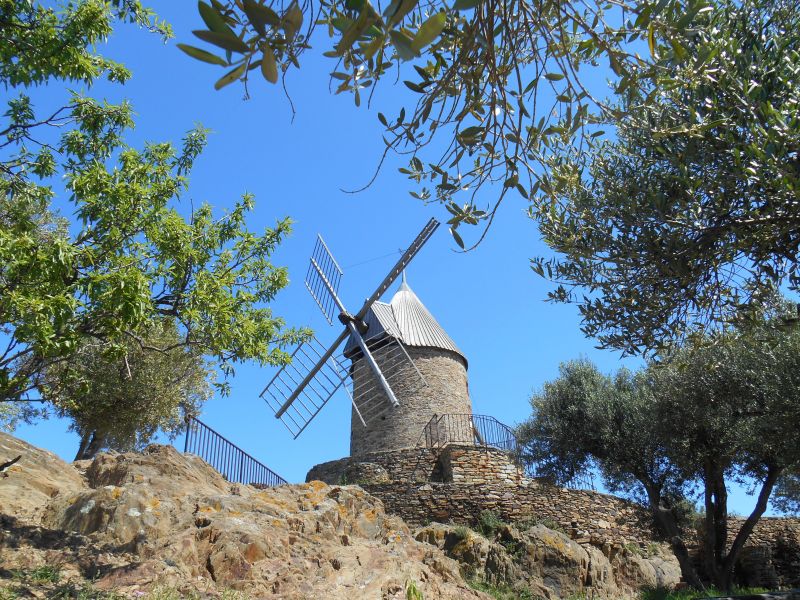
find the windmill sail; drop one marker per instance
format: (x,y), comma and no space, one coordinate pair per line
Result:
(300,389)
(369,399)
(322,280)
(321,385)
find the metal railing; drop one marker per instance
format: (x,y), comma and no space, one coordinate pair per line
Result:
(480,430)
(233,463)
(483,430)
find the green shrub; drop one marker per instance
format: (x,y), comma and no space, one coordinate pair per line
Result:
(689,594)
(412,591)
(461,533)
(502,592)
(489,522)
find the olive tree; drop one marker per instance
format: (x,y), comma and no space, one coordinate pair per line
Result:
(687,219)
(586,420)
(497,84)
(712,414)
(119,398)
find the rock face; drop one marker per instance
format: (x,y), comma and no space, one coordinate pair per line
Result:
(131,521)
(548,564)
(28,486)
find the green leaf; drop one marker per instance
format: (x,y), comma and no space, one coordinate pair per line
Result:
(651,40)
(269,66)
(228,42)
(292,20)
(203,55)
(414,87)
(554,76)
(402,43)
(260,16)
(465,4)
(230,77)
(213,19)
(397,10)
(457,237)
(429,31)
(369,50)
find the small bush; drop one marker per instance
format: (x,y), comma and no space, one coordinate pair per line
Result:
(461,533)
(689,594)
(489,522)
(533,521)
(502,592)
(43,574)
(412,591)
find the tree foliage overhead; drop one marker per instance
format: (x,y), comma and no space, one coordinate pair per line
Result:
(134,255)
(689,218)
(119,398)
(711,415)
(500,84)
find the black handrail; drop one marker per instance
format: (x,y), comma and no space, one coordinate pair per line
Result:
(480,430)
(483,430)
(233,463)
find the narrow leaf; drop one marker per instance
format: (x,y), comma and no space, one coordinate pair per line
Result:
(429,31)
(230,77)
(228,42)
(203,55)
(213,19)
(292,20)
(260,16)
(402,43)
(269,66)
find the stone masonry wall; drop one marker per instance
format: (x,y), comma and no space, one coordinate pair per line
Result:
(458,482)
(446,392)
(410,464)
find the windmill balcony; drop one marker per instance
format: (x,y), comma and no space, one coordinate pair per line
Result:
(468,429)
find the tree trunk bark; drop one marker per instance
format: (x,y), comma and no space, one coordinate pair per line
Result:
(85,439)
(98,439)
(91,443)
(729,562)
(668,527)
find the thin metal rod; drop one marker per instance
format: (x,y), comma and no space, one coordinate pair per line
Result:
(321,363)
(410,253)
(373,365)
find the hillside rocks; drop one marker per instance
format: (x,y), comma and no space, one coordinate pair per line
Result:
(28,486)
(130,521)
(548,564)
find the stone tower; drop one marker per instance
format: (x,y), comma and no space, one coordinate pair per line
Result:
(438,359)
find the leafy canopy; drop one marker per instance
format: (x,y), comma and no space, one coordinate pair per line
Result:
(500,84)
(119,398)
(133,255)
(721,411)
(689,218)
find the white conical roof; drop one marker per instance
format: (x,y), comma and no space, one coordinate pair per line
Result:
(407,319)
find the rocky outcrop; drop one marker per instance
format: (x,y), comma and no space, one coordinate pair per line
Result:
(131,521)
(30,484)
(548,564)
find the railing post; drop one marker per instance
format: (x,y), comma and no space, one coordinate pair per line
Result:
(186,441)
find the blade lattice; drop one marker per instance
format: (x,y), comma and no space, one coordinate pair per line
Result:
(369,399)
(314,395)
(323,278)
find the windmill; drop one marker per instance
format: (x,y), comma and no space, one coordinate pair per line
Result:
(300,389)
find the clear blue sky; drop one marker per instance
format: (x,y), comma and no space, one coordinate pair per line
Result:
(488,300)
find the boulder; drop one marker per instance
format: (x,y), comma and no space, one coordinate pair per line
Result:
(139,520)
(28,486)
(548,564)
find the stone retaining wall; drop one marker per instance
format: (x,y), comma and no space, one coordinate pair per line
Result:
(586,516)
(457,483)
